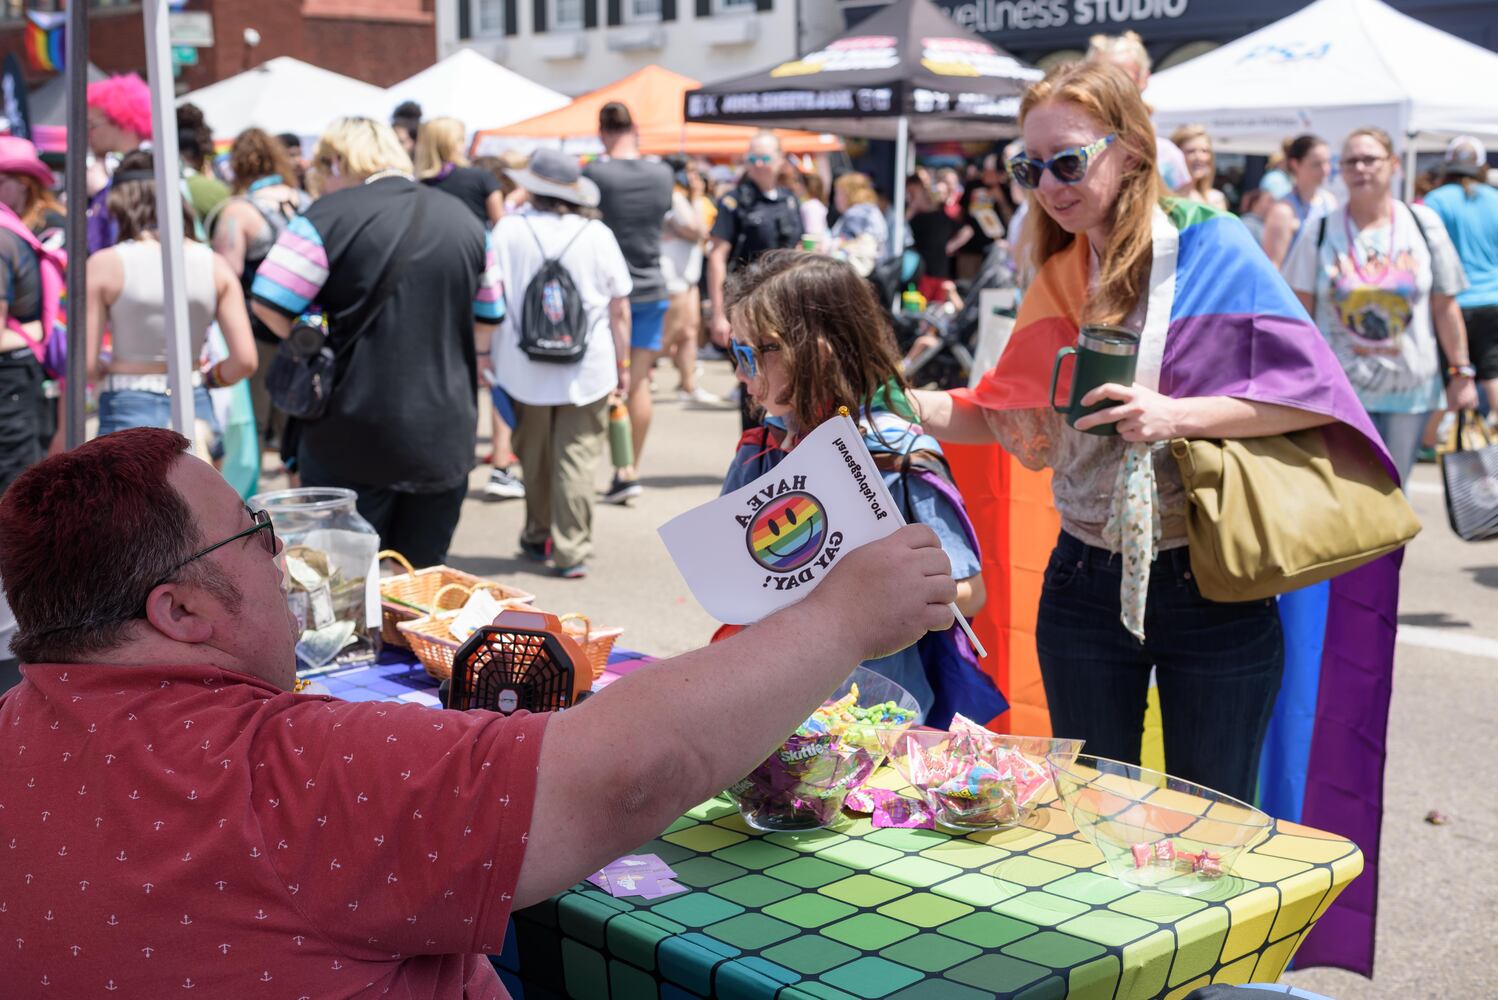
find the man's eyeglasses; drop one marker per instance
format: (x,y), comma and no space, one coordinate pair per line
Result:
(746,357)
(1068,166)
(262,526)
(759,159)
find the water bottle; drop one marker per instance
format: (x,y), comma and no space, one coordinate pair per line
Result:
(912,301)
(621,447)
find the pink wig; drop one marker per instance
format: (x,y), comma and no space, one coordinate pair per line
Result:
(126,100)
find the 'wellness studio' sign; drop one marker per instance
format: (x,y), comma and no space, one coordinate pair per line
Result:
(764,546)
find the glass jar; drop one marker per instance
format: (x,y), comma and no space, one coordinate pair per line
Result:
(331,574)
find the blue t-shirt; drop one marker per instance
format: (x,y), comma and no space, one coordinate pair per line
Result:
(1472,222)
(930,508)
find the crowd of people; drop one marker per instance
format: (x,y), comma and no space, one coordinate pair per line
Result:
(555,288)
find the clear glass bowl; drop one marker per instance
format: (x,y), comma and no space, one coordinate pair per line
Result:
(998,804)
(803,784)
(1153,830)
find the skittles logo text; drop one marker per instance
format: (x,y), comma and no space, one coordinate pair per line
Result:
(786,532)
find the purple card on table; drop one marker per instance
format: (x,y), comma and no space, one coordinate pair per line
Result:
(643,875)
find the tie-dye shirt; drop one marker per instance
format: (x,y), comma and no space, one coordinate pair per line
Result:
(181,829)
(1372,289)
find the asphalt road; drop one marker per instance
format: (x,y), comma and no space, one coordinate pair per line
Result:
(1438,920)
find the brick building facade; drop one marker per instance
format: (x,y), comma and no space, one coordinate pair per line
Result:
(377,41)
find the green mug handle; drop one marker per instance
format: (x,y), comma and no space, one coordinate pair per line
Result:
(1056,378)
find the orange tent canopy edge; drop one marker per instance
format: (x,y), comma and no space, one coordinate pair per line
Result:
(656,98)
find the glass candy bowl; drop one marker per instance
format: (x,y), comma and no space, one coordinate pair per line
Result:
(1156,831)
(802,785)
(973,779)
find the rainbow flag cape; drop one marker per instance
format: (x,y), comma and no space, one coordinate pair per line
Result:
(44,40)
(1235,329)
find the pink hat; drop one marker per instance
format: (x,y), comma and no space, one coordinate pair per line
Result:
(18,156)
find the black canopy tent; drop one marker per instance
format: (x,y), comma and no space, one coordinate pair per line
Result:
(908,71)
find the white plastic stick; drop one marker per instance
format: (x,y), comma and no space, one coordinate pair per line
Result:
(968,631)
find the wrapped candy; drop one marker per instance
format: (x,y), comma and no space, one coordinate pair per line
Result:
(888,809)
(969,778)
(803,784)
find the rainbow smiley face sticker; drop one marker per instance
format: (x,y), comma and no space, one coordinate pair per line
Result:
(788,532)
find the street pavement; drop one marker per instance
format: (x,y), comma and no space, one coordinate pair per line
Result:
(1438,920)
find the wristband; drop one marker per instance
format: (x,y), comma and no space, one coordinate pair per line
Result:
(214,379)
(1461,371)
(624,363)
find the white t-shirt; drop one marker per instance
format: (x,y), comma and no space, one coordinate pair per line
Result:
(1373,301)
(681,260)
(600,274)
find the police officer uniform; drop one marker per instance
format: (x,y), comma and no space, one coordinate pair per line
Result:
(752,221)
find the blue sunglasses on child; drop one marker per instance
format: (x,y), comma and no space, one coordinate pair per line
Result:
(1068,166)
(747,357)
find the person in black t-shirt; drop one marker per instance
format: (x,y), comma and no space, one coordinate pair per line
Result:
(634,197)
(986,210)
(934,234)
(441,164)
(400,425)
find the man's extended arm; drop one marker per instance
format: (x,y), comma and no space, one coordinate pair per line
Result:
(619,768)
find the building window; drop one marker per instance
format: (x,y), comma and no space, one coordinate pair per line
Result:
(488,17)
(733,6)
(642,11)
(566,15)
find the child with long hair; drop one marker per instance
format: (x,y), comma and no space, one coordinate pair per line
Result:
(808,338)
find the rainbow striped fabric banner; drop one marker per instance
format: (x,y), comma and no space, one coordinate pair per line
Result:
(44,40)
(1235,329)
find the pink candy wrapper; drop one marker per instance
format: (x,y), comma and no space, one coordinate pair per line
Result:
(890,810)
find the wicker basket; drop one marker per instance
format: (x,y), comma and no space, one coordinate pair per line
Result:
(412,594)
(435,646)
(596,643)
(429,636)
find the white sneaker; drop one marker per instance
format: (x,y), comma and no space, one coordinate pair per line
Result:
(503,486)
(699,396)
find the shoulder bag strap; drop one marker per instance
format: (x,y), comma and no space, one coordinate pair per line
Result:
(388,278)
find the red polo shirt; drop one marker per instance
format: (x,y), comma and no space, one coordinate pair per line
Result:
(190,828)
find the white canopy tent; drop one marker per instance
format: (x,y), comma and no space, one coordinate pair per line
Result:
(475,90)
(286,95)
(1327,69)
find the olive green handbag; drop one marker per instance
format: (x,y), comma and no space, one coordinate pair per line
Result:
(1273,514)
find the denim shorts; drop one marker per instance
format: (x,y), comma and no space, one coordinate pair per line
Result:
(647,324)
(126,408)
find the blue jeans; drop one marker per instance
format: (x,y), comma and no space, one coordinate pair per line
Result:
(1217,666)
(1401,433)
(136,408)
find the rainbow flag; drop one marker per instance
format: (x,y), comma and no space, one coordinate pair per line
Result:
(44,40)
(1235,329)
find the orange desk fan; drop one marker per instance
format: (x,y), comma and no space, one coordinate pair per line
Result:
(525,660)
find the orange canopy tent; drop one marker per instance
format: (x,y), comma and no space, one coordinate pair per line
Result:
(656,98)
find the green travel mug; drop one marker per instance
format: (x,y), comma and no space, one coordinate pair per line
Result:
(1103,354)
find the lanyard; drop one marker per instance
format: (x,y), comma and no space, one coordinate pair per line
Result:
(265,182)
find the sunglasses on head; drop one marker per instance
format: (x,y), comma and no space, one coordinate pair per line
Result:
(746,357)
(1068,166)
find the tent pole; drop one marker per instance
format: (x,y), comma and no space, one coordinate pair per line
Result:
(179,364)
(902,154)
(1409,167)
(75,175)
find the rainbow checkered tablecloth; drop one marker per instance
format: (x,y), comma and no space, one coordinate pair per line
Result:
(856,912)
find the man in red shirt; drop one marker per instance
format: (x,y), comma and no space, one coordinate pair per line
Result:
(173,818)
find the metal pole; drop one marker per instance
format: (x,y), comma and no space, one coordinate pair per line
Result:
(179,365)
(902,153)
(1409,167)
(75,179)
